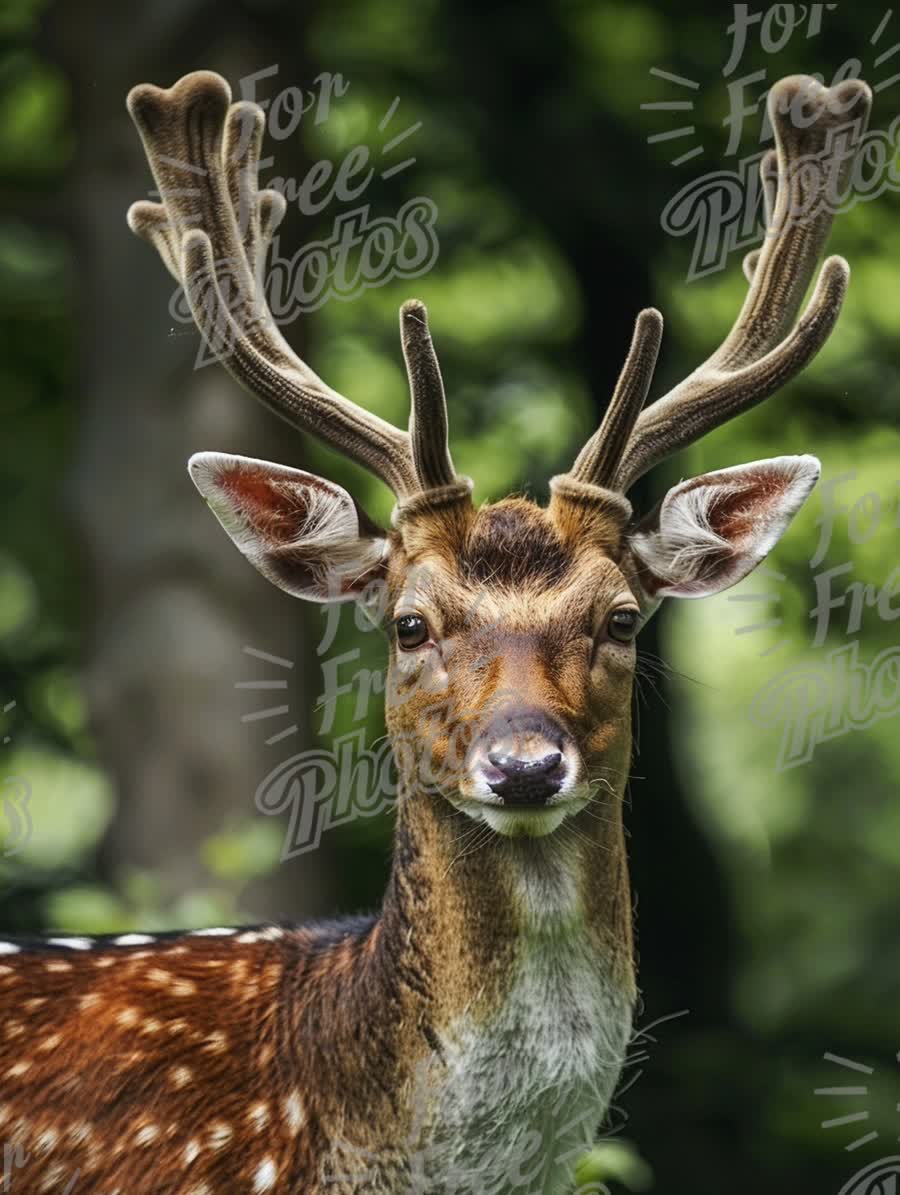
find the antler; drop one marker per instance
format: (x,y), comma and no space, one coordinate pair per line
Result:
(765,348)
(213,230)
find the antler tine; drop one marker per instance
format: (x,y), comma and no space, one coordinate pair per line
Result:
(212,231)
(596,463)
(428,426)
(768,175)
(764,349)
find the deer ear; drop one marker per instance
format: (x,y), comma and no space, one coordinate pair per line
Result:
(304,534)
(711,531)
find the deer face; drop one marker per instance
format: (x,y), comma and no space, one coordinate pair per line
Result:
(512,653)
(511,628)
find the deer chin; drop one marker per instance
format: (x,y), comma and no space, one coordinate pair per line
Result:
(524,823)
(519,821)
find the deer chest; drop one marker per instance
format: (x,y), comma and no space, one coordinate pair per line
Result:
(520,1095)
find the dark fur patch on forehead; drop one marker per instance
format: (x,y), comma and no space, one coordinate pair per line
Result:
(513,543)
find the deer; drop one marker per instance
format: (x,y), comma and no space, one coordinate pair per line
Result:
(469,1036)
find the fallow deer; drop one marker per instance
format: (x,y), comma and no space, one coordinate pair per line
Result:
(470,1036)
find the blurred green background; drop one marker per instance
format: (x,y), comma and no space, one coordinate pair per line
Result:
(766,898)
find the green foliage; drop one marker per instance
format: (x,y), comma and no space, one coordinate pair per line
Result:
(250,850)
(616,1161)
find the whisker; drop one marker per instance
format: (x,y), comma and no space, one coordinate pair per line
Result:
(488,834)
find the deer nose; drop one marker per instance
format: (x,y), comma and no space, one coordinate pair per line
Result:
(526,781)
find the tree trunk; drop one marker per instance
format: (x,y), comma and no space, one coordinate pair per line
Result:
(171,604)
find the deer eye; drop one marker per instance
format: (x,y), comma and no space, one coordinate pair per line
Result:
(622,625)
(412,631)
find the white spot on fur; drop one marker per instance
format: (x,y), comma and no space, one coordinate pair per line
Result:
(79,1133)
(71,943)
(146,1135)
(54,1177)
(9,948)
(219,1134)
(191,1152)
(270,933)
(258,1115)
(212,932)
(180,1075)
(264,1178)
(133,940)
(216,1042)
(293,1112)
(47,1139)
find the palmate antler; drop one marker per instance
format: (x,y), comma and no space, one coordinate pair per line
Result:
(213,230)
(765,348)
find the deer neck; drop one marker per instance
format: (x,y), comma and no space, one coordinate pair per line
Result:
(471,906)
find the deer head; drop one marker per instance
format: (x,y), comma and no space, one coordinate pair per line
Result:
(511,626)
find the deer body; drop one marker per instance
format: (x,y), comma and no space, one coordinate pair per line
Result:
(469,1038)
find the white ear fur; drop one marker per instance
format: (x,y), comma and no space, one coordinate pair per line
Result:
(709,532)
(303,533)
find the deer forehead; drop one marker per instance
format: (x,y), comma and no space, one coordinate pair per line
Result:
(533,605)
(509,565)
